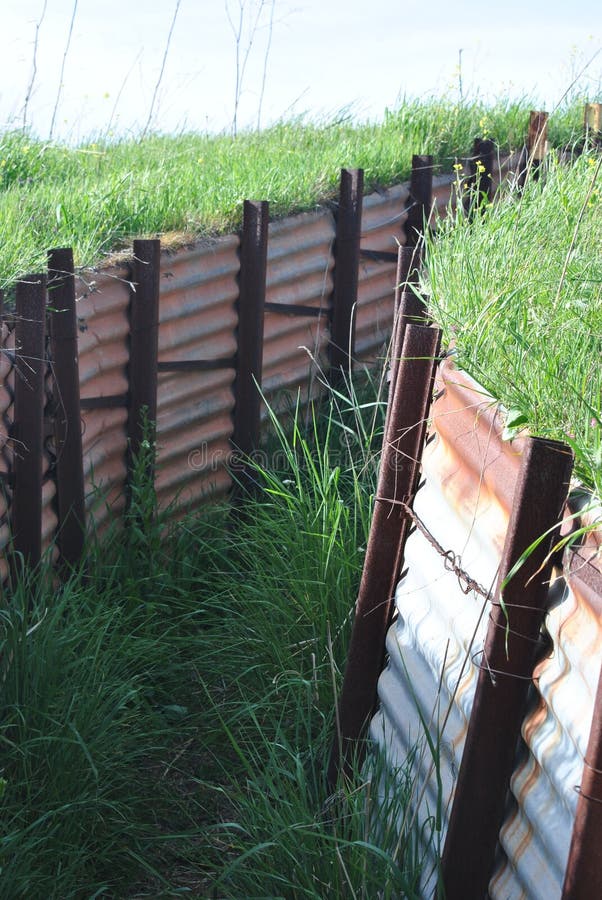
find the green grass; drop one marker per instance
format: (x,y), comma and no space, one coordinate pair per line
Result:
(519,291)
(98,196)
(167,714)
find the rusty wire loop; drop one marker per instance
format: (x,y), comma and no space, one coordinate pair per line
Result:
(587,796)
(507,630)
(592,768)
(451,560)
(485,667)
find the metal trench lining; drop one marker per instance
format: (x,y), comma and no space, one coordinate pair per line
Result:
(198,293)
(469,476)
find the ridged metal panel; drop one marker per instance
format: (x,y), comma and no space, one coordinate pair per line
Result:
(443,192)
(7,381)
(299,271)
(198,321)
(49,503)
(102,311)
(434,645)
(439,629)
(383,219)
(536,834)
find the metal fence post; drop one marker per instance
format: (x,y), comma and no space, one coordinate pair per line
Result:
(592,124)
(67,414)
(346,270)
(420,199)
(402,449)
(535,149)
(249,360)
(144,344)
(479,185)
(506,669)
(27,435)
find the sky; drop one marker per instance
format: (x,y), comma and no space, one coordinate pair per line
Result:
(313,57)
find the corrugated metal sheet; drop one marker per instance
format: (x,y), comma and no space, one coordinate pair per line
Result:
(435,642)
(536,835)
(102,311)
(49,502)
(197,315)
(383,220)
(6,404)
(299,271)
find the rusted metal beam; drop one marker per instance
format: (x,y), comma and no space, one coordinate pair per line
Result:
(144,343)
(420,199)
(296,309)
(400,458)
(535,148)
(583,876)
(387,256)
(410,309)
(251,304)
(409,263)
(67,410)
(506,669)
(537,137)
(410,306)
(592,124)
(27,435)
(346,270)
(109,401)
(479,184)
(197,365)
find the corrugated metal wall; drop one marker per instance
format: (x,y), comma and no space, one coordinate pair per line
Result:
(198,321)
(103,342)
(197,316)
(300,270)
(434,651)
(383,218)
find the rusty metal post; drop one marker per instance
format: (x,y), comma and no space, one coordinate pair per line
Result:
(144,343)
(479,185)
(583,876)
(410,309)
(400,457)
(251,303)
(346,271)
(592,124)
(420,199)
(27,436)
(535,149)
(506,669)
(67,413)
(409,263)
(537,136)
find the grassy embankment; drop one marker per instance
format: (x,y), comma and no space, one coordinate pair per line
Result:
(519,291)
(98,196)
